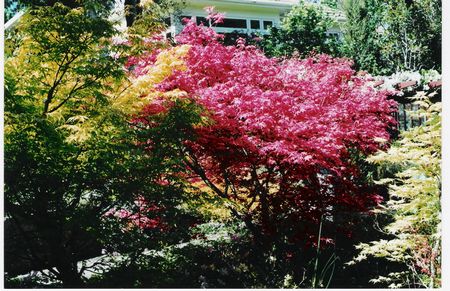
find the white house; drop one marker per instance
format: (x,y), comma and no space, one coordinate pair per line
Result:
(242,16)
(245,16)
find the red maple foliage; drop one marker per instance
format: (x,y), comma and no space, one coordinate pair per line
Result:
(281,134)
(139,218)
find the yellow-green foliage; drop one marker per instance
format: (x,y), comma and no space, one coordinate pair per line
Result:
(414,203)
(74,76)
(208,205)
(140,89)
(62,73)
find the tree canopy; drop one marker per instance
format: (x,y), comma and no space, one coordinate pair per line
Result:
(387,36)
(71,156)
(414,204)
(132,160)
(276,138)
(303,30)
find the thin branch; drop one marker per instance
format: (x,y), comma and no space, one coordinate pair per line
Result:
(63,69)
(194,165)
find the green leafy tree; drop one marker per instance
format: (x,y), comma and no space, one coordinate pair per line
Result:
(59,139)
(414,234)
(100,8)
(388,36)
(331,3)
(413,35)
(137,12)
(362,41)
(71,156)
(302,31)
(150,16)
(11,8)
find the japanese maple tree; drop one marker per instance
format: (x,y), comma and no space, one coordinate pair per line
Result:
(277,137)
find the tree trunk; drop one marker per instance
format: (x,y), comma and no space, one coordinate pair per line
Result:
(69,275)
(133,10)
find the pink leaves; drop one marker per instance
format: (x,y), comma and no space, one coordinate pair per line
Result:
(284,108)
(139,218)
(292,123)
(193,34)
(214,16)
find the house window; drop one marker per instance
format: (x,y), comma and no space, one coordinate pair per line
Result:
(334,35)
(183,17)
(227,22)
(267,24)
(255,24)
(203,20)
(233,23)
(230,24)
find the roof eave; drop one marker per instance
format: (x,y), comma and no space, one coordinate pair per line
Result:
(260,3)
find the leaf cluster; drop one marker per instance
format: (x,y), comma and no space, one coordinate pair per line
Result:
(414,203)
(272,140)
(303,30)
(388,36)
(71,153)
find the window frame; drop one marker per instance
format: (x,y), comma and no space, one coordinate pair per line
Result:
(248,29)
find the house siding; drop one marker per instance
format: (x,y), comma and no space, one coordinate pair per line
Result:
(248,10)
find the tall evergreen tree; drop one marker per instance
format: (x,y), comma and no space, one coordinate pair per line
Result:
(388,36)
